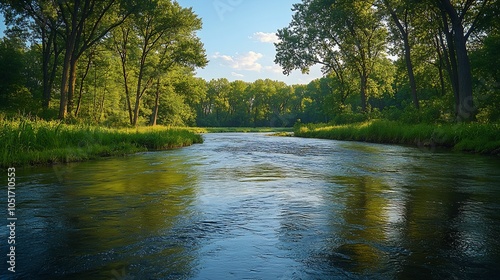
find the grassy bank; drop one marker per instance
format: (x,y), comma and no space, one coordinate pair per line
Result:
(239,129)
(473,137)
(40,142)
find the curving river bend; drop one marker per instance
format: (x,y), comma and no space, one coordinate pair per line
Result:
(251,206)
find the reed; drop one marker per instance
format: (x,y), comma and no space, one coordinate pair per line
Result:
(468,137)
(26,142)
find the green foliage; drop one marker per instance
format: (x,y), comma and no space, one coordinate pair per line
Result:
(14,93)
(175,111)
(345,37)
(485,61)
(428,113)
(99,70)
(140,67)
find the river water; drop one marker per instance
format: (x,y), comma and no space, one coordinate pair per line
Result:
(252,206)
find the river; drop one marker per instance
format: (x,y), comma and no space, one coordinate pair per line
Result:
(252,206)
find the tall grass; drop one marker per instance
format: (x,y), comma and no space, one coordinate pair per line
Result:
(25,142)
(470,137)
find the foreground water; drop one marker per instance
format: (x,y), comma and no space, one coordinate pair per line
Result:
(250,206)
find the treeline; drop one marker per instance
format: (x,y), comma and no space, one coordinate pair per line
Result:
(121,63)
(101,61)
(446,54)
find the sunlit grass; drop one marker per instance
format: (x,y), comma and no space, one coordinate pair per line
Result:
(25,142)
(239,129)
(472,137)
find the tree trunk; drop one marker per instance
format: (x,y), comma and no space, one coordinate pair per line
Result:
(71,39)
(440,66)
(407,52)
(46,54)
(121,48)
(48,34)
(72,84)
(136,110)
(139,90)
(465,110)
(80,93)
(64,86)
(53,72)
(154,116)
(411,75)
(363,86)
(127,92)
(101,105)
(450,59)
(138,95)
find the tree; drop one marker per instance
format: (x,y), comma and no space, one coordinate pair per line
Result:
(179,49)
(12,76)
(193,90)
(218,100)
(85,23)
(485,60)
(340,35)
(122,40)
(44,25)
(164,32)
(239,104)
(464,16)
(402,12)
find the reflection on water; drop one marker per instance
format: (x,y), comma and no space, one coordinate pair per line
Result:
(249,206)
(89,220)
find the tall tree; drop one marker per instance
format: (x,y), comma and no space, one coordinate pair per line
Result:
(337,34)
(179,49)
(122,38)
(165,34)
(84,24)
(402,12)
(464,16)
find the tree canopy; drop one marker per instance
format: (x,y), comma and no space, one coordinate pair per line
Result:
(124,62)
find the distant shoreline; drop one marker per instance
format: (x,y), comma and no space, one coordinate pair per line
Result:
(467,137)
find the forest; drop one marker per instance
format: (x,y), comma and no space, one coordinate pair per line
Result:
(120,63)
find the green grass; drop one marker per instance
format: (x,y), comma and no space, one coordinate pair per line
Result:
(39,142)
(239,129)
(468,137)
(282,134)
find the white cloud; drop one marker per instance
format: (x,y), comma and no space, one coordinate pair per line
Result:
(275,69)
(225,58)
(234,74)
(246,61)
(265,37)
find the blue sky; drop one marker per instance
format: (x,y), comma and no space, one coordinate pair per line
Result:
(238,37)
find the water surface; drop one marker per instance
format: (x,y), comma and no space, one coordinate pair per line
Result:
(251,206)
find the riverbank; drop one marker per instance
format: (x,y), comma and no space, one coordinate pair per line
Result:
(40,142)
(471,137)
(239,129)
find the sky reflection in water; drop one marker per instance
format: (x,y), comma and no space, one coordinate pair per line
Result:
(250,206)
